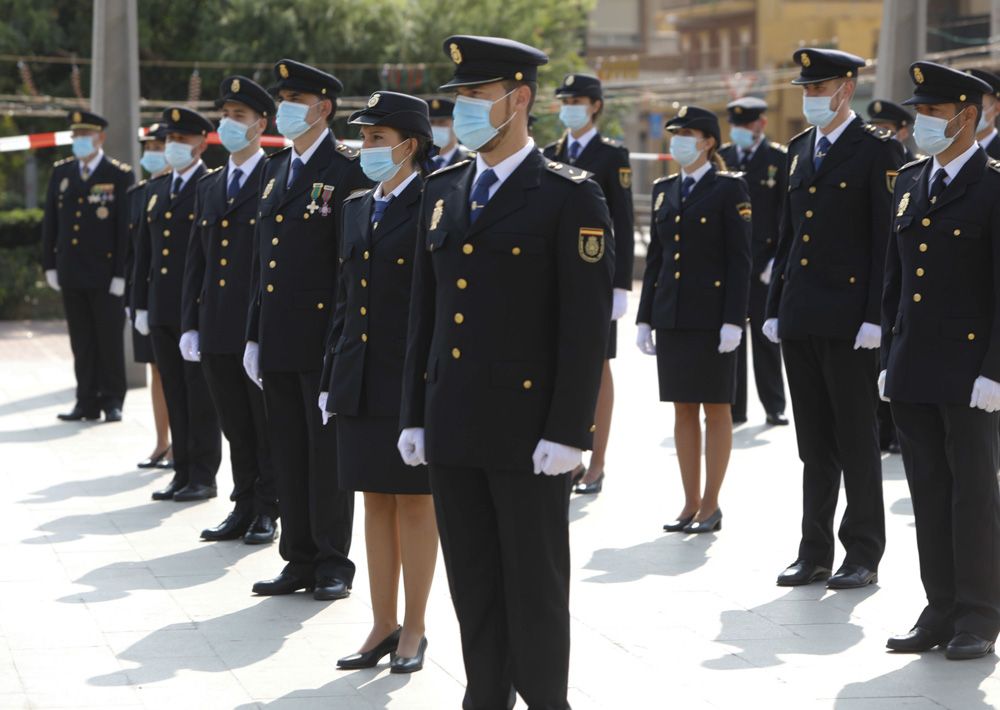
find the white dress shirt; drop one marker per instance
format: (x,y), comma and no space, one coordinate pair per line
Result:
(504,168)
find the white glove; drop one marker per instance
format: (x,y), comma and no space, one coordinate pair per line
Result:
(881,386)
(117,287)
(869,337)
(411,446)
(729,337)
(985,394)
(142,322)
(190,346)
(770,330)
(323,396)
(765,275)
(553,459)
(52,277)
(251,363)
(620,303)
(644,339)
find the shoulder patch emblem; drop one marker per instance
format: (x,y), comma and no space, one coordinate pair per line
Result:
(625,177)
(591,244)
(890,180)
(745,210)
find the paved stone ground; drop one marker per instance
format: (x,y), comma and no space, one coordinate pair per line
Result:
(108,599)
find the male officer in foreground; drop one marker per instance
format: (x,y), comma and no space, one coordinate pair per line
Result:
(293,293)
(941,362)
(216,297)
(507,336)
(84,246)
(763,166)
(824,305)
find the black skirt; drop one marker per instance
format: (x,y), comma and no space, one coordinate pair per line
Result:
(368,460)
(691,368)
(613,341)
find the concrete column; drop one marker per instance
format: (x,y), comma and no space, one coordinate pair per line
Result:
(995,30)
(902,40)
(114,93)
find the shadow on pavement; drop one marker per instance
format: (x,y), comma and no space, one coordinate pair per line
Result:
(50,432)
(746,437)
(671,555)
(376,691)
(97,487)
(117,522)
(953,684)
(36,401)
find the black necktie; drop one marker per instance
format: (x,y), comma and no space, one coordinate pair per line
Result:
(380,208)
(821,151)
(234,185)
(937,185)
(178,184)
(293,174)
(481,193)
(744,160)
(686,187)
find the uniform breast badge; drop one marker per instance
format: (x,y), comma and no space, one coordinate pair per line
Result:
(659,202)
(267,189)
(63,184)
(904,202)
(437,214)
(795,164)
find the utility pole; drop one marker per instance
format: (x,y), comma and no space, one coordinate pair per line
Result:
(114,93)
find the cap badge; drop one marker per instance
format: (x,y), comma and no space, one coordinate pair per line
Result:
(435,104)
(373,100)
(806,61)
(518,76)
(175,115)
(570,79)
(918,76)
(683,112)
(283,71)
(77,117)
(738,110)
(878,107)
(235,86)
(456,53)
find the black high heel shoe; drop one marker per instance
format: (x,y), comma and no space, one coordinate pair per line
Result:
(577,476)
(678,525)
(410,665)
(370,659)
(152,461)
(710,524)
(591,488)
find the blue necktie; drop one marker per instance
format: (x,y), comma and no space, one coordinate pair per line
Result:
(380,207)
(821,151)
(937,185)
(574,151)
(438,162)
(234,185)
(178,184)
(481,193)
(686,187)
(293,174)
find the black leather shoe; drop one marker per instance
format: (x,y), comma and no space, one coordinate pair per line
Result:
(592,488)
(328,590)
(740,420)
(801,572)
(113,414)
(777,419)
(678,525)
(232,528)
(370,658)
(917,640)
(78,414)
(284,583)
(154,460)
(195,491)
(169,492)
(966,646)
(893,447)
(710,524)
(166,463)
(262,530)
(401,664)
(852,577)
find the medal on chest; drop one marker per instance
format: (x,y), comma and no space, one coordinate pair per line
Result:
(772,170)
(317,188)
(327,195)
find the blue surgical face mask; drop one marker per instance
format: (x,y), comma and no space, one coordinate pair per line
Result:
(472,120)
(233,135)
(83,146)
(685,150)
(178,155)
(984,123)
(377,165)
(153,161)
(574,116)
(441,135)
(743,137)
(929,134)
(291,119)
(817,109)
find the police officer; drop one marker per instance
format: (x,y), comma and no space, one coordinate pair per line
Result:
(159,275)
(153,162)
(986,129)
(824,306)
(582,145)
(508,332)
(895,118)
(215,299)
(941,369)
(763,166)
(84,244)
(292,296)
(445,140)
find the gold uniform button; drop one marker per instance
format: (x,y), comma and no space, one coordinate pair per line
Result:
(516,251)
(922,247)
(806,237)
(364,337)
(804,262)
(462,284)
(253,221)
(527,384)
(223,262)
(168,214)
(809,214)
(163,270)
(843,185)
(677,219)
(926,221)
(677,257)
(920,271)
(204,222)
(677,237)
(279,218)
(272,263)
(270,288)
(225,242)
(852,280)
(468,248)
(704,220)
(364,311)
(166,232)
(718,284)
(364,283)
(274,241)
(76,227)
(812,190)
(225,223)
(593,428)
(305,215)
(456,353)
(222,283)
(917,298)
(74,241)
(459,318)
(80,200)
(400,261)
(957,232)
(320,306)
(191,217)
(971,336)
(79,213)
(366,255)
(677,274)
(165,252)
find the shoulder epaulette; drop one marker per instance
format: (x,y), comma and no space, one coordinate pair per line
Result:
(611,141)
(447,168)
(276,153)
(210,171)
(136,186)
(571,173)
(994,165)
(64,161)
(124,167)
(882,134)
(666,178)
(358,193)
(915,163)
(347,151)
(778,146)
(730,174)
(725,146)
(800,135)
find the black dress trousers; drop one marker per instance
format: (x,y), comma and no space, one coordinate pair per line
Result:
(239,404)
(505,540)
(833,399)
(316,515)
(951,453)
(194,428)
(766,359)
(95,320)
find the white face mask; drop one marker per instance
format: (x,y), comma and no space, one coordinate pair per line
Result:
(929,134)
(817,109)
